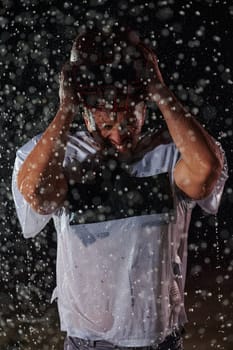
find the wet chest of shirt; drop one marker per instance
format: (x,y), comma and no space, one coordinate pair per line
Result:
(117,194)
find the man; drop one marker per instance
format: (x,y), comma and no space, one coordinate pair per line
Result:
(121,201)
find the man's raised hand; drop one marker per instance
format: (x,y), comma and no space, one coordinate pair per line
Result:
(69,98)
(152,79)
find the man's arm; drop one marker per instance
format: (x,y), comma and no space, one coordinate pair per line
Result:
(41,178)
(201,160)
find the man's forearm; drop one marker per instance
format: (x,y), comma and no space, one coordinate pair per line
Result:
(197,148)
(41,178)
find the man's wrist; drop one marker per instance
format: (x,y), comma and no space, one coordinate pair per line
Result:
(160,94)
(68,108)
(168,104)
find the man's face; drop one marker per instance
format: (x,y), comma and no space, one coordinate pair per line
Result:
(120,128)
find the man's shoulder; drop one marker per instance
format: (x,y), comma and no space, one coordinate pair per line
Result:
(28,145)
(160,157)
(81,136)
(153,141)
(80,145)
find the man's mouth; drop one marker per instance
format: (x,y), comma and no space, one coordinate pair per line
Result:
(122,146)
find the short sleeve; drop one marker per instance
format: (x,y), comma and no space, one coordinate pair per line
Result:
(211,203)
(31,222)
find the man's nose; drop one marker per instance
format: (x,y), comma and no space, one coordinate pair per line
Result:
(119,133)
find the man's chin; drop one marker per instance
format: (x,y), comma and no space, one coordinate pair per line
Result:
(124,152)
(120,151)
(122,148)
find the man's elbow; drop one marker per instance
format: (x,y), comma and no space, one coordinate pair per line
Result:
(42,203)
(211,177)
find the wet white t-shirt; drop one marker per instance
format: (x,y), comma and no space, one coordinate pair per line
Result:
(122,246)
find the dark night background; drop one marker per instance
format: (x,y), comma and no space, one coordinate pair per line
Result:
(193,40)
